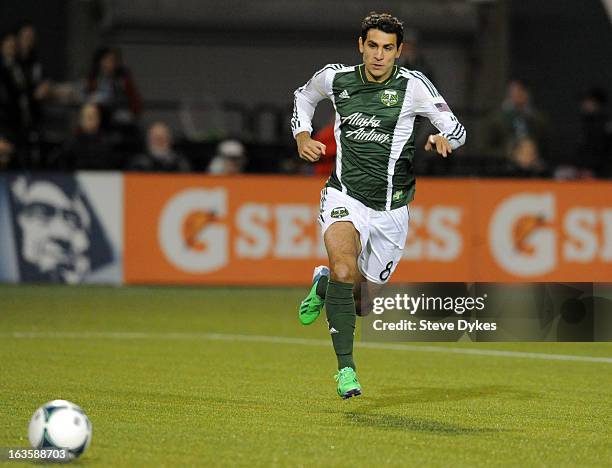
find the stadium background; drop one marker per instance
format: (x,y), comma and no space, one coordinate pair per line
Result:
(215,72)
(230,75)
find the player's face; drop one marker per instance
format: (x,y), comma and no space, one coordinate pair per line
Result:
(379,52)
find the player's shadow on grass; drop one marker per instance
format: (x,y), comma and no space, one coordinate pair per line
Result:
(369,415)
(394,396)
(406,423)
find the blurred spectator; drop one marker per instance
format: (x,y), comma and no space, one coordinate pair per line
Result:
(412,57)
(9,106)
(110,85)
(7,150)
(159,156)
(230,159)
(593,152)
(516,120)
(27,55)
(526,159)
(569,172)
(14,108)
(91,147)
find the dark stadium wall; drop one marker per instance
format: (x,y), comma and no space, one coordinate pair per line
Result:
(259,52)
(561,48)
(261,72)
(86,22)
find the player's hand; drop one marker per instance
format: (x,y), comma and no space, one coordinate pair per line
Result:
(439,144)
(308,149)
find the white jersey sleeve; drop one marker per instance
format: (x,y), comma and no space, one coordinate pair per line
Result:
(428,102)
(306,98)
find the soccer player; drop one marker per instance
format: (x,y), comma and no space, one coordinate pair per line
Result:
(364,212)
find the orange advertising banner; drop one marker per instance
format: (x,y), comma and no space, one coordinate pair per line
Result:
(262,230)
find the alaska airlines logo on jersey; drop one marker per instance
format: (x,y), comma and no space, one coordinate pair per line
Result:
(363,121)
(389,97)
(360,120)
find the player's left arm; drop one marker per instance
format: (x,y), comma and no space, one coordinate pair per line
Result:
(428,102)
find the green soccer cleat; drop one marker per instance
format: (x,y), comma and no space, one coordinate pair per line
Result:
(348,385)
(311,306)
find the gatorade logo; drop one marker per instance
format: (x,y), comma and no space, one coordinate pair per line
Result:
(521,237)
(190,234)
(523,229)
(198,234)
(192,228)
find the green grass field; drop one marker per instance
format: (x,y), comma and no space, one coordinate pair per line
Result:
(227,377)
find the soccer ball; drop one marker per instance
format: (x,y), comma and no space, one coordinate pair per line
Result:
(60,424)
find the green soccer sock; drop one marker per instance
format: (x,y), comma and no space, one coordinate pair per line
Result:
(340,308)
(322,287)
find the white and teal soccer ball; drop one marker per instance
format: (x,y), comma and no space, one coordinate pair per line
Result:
(60,424)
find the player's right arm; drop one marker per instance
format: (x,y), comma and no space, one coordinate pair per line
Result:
(305,100)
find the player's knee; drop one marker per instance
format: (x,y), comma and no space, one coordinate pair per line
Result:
(343,272)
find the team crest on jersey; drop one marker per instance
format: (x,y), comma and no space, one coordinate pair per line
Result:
(389,97)
(339,212)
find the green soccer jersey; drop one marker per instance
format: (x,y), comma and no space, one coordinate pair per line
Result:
(375,129)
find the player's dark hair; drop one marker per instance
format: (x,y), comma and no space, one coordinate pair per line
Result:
(383,22)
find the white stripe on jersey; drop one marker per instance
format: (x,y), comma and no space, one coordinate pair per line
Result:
(337,131)
(401,134)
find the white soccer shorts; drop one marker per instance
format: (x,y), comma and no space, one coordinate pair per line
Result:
(382,233)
